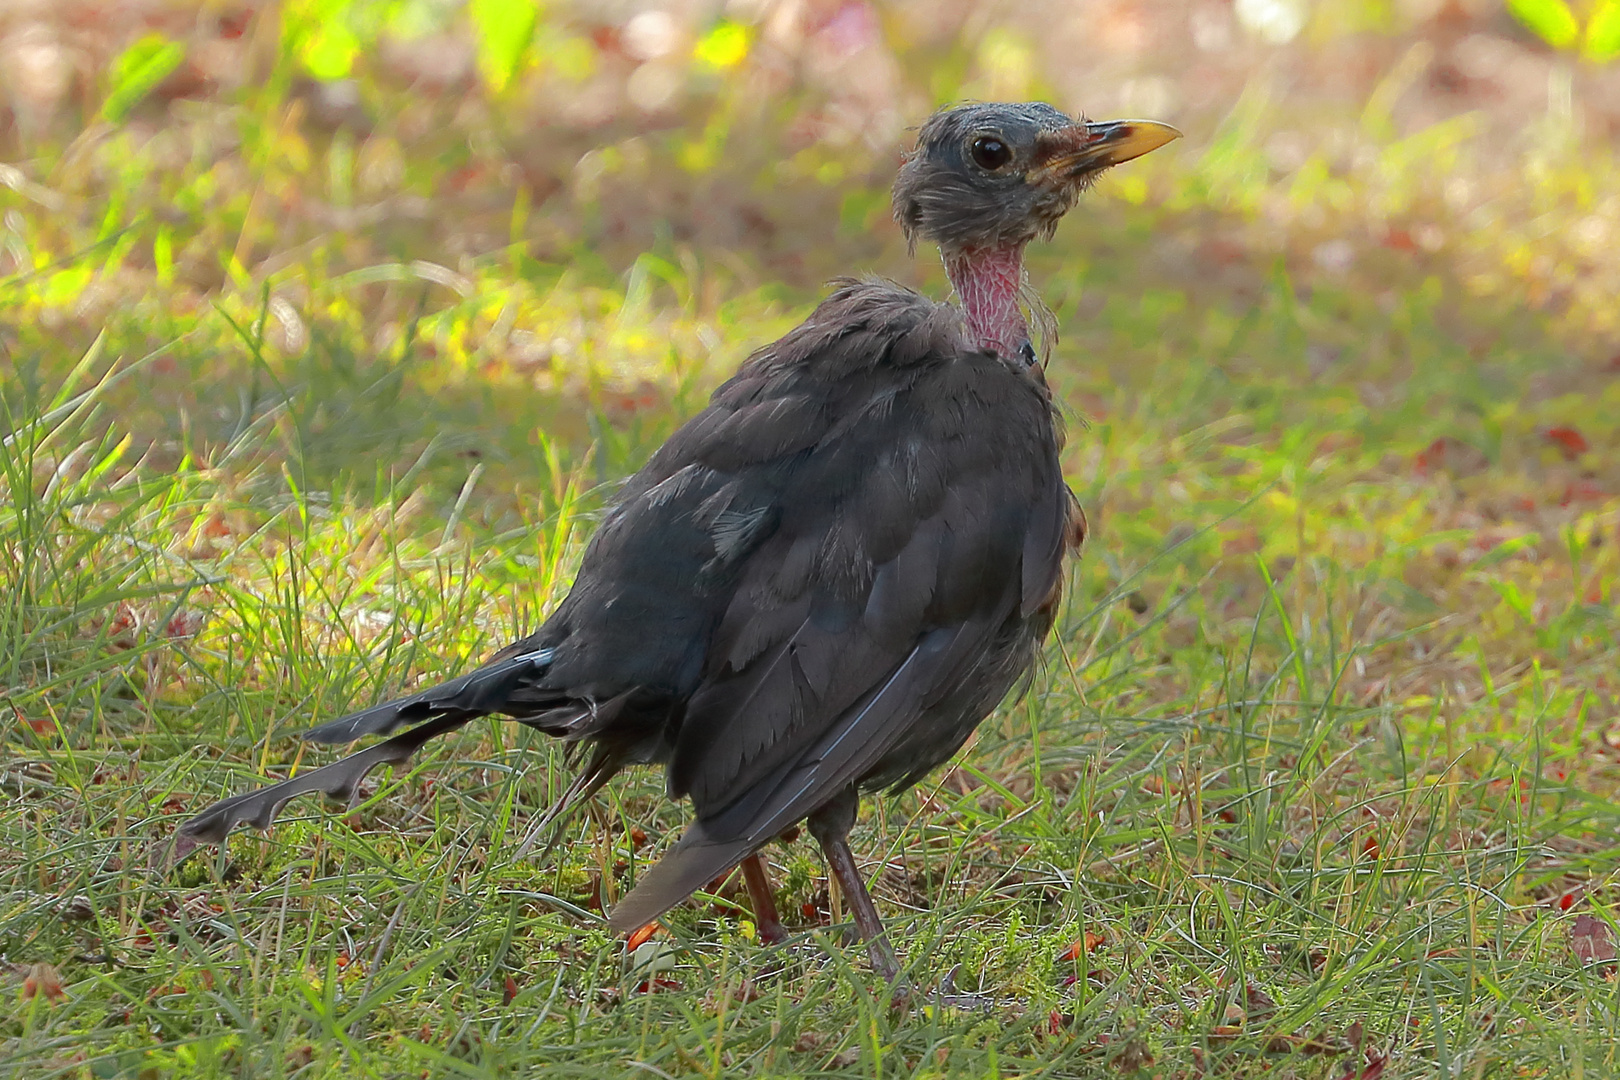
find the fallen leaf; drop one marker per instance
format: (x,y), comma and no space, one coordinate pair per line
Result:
(1374,1069)
(1134,1056)
(641,937)
(1084,946)
(1400,240)
(1257,1002)
(184,624)
(1571,443)
(742,993)
(1452,455)
(653,986)
(1592,940)
(1582,491)
(509,992)
(43,979)
(1247,542)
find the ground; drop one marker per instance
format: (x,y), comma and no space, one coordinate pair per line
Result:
(313,388)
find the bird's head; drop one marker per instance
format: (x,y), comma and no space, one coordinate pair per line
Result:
(986,179)
(989,175)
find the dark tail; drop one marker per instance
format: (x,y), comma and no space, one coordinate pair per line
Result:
(339,780)
(507,684)
(489,689)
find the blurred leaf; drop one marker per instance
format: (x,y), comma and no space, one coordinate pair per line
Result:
(1551,20)
(321,35)
(1603,32)
(723,47)
(163,255)
(138,71)
(505,31)
(329,52)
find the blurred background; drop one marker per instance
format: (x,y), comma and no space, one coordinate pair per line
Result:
(219,147)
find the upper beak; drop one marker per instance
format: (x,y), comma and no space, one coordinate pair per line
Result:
(1087,148)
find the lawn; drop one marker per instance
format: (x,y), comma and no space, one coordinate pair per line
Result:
(314,382)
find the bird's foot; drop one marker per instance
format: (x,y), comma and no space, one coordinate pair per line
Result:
(771,932)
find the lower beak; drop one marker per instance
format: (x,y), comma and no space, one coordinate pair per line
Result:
(1102,145)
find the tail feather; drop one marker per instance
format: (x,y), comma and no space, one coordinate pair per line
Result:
(692,863)
(339,780)
(485,690)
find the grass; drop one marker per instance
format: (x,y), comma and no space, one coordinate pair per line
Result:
(1317,779)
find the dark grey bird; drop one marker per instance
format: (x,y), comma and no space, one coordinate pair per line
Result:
(825,580)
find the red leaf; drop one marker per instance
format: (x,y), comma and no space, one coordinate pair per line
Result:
(510,992)
(1569,441)
(653,986)
(1084,946)
(641,937)
(1450,454)
(1375,1067)
(1582,491)
(1399,240)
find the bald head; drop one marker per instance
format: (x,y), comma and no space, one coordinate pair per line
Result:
(993,175)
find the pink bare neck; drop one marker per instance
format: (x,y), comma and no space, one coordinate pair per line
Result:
(987,281)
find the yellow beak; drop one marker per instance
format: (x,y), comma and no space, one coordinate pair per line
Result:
(1102,145)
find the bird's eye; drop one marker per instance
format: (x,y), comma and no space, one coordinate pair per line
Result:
(990,152)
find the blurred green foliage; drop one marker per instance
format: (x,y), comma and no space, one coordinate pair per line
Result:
(1556,23)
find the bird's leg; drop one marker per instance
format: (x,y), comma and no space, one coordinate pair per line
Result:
(830,826)
(771,930)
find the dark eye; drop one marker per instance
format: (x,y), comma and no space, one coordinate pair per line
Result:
(990,152)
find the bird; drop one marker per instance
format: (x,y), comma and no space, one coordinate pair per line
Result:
(825,580)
